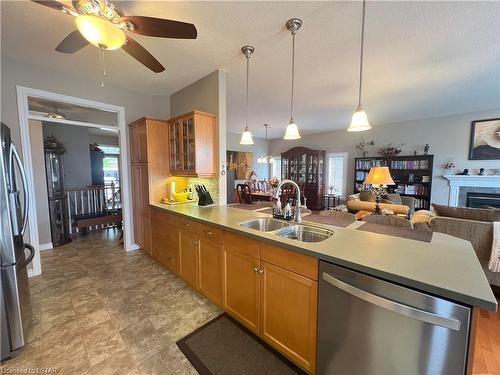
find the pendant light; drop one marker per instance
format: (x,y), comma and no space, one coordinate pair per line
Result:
(268,159)
(246,137)
(292,131)
(359,120)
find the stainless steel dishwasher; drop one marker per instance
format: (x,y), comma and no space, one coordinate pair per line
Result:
(370,326)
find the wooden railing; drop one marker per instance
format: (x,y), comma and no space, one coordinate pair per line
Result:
(92,200)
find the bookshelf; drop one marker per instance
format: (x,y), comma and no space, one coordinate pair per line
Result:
(412,175)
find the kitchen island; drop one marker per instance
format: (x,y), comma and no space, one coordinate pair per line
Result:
(209,249)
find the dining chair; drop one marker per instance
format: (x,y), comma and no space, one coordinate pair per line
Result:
(244,193)
(262,186)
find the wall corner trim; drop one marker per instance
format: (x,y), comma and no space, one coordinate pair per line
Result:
(45,246)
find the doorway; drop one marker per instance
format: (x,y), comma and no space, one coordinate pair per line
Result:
(81,108)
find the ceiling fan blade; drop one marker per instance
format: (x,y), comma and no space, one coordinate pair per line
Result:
(72,43)
(139,53)
(162,28)
(55,5)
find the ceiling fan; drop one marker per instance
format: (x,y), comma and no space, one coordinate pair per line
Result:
(101,23)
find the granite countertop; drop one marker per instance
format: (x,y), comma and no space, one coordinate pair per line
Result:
(446,267)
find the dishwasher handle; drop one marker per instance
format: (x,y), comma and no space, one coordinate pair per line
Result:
(393,306)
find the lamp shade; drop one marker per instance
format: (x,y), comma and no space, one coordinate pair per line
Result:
(379,176)
(246,137)
(100,32)
(359,121)
(292,131)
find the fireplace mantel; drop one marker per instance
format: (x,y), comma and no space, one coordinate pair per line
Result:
(458,181)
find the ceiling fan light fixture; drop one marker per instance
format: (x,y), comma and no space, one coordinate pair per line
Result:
(100,32)
(359,121)
(292,131)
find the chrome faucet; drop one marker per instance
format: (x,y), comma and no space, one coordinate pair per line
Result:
(297,216)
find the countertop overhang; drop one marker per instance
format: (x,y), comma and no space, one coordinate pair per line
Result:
(446,267)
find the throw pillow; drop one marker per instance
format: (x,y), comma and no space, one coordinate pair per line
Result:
(477,214)
(366,196)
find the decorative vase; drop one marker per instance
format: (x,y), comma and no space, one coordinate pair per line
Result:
(365,154)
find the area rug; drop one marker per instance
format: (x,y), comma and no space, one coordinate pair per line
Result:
(224,347)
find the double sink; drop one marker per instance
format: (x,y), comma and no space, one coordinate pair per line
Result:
(293,231)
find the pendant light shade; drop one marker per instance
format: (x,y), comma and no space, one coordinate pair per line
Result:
(292,130)
(246,137)
(359,120)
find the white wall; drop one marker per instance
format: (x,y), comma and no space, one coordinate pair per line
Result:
(259,148)
(208,95)
(448,137)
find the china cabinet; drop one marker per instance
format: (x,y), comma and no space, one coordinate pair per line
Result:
(193,145)
(307,168)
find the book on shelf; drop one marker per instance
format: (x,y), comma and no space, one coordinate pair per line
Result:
(409,164)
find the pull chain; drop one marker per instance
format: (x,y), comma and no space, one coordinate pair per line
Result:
(103,68)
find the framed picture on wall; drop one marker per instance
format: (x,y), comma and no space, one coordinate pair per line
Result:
(241,162)
(485,140)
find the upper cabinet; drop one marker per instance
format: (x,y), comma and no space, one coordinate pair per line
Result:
(193,145)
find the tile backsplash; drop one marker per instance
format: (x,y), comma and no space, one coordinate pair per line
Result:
(212,184)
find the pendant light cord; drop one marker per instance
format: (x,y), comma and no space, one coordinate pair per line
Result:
(361,53)
(246,100)
(293,74)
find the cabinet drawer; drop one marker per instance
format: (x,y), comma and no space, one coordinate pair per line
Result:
(242,244)
(209,232)
(301,264)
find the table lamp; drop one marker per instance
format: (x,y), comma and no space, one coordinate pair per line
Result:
(378,178)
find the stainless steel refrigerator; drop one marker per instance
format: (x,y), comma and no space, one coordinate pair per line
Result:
(15,254)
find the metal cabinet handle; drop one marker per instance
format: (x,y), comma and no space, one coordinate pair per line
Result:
(195,242)
(261,271)
(399,308)
(208,232)
(17,158)
(256,269)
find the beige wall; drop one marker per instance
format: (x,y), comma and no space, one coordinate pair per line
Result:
(208,95)
(448,137)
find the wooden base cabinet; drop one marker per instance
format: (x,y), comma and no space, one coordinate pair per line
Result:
(242,288)
(289,309)
(164,241)
(274,293)
(210,270)
(189,246)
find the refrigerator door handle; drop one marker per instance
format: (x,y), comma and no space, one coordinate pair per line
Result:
(30,257)
(393,306)
(17,158)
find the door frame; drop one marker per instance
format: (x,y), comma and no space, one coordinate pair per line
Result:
(24,116)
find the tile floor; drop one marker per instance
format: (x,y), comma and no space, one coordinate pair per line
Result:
(99,310)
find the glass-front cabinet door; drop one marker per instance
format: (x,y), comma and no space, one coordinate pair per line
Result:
(312,175)
(284,168)
(175,138)
(188,147)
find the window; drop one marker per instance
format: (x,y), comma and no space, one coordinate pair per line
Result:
(276,167)
(336,173)
(111,165)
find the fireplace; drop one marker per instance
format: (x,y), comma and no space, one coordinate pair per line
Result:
(483,200)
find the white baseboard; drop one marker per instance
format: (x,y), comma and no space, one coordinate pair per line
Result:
(46,246)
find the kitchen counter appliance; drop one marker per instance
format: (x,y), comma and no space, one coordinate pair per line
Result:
(370,326)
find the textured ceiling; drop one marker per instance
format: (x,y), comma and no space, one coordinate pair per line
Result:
(422,59)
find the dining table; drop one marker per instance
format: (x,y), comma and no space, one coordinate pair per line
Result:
(262,196)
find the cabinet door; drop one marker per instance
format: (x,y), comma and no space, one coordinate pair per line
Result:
(189,259)
(146,231)
(175,139)
(142,143)
(289,314)
(138,235)
(242,288)
(188,145)
(210,275)
(134,146)
(137,204)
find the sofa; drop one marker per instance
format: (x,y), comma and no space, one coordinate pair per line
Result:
(364,202)
(471,224)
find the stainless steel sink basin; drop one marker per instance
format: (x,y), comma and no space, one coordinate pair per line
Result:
(305,233)
(264,224)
